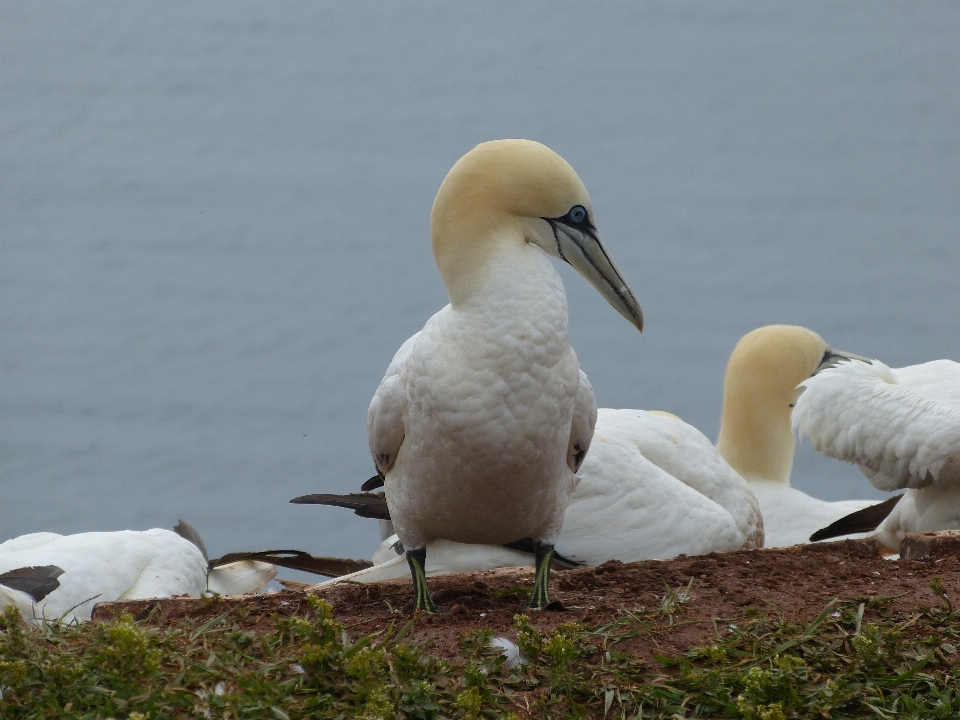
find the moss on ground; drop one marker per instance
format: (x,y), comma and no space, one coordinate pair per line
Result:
(762,668)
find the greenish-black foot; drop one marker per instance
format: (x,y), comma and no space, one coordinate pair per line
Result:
(417,560)
(540,597)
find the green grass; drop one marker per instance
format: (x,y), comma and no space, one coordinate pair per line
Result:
(762,667)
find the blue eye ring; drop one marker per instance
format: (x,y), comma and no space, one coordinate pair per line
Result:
(577,214)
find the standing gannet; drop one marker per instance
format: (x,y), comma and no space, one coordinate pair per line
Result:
(651,487)
(901,427)
(483,417)
(125,565)
(756,437)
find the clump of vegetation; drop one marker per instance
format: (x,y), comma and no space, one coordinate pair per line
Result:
(760,667)
(306,667)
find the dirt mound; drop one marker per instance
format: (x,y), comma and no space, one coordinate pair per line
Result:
(696,595)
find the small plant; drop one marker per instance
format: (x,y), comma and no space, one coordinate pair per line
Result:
(936,585)
(673,600)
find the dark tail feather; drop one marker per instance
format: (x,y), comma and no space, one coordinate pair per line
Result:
(373,483)
(188,532)
(297,560)
(557,562)
(37,581)
(368,505)
(865,520)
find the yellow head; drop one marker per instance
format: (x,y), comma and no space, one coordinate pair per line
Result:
(507,192)
(758,393)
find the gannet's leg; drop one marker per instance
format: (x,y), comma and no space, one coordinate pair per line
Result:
(417,559)
(540,597)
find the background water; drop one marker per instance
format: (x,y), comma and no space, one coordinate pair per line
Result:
(215,224)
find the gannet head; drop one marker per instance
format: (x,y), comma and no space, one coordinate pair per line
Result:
(511,191)
(758,393)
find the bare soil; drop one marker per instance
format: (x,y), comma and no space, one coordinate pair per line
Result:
(794,583)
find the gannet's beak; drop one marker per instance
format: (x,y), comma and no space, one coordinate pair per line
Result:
(581,248)
(831,357)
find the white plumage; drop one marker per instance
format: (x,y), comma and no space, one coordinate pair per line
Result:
(901,427)
(122,565)
(654,487)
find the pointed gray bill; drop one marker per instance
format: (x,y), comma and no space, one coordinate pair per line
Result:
(581,248)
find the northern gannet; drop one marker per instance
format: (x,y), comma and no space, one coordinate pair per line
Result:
(483,417)
(901,427)
(651,487)
(756,438)
(124,565)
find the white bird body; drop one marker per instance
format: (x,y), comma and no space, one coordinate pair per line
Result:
(654,487)
(121,565)
(104,566)
(489,391)
(901,427)
(651,487)
(244,577)
(20,600)
(443,558)
(482,419)
(756,437)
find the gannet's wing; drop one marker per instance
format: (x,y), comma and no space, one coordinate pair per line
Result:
(901,427)
(366,505)
(684,452)
(626,508)
(443,557)
(189,532)
(37,581)
(295,560)
(866,520)
(584,421)
(385,431)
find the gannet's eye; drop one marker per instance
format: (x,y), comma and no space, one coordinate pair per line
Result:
(577,214)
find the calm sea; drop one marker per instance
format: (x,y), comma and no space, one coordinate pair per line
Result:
(215,224)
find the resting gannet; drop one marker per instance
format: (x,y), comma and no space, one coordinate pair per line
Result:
(483,417)
(756,438)
(901,427)
(651,487)
(654,487)
(125,565)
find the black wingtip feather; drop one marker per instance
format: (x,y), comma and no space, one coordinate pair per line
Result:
(558,561)
(296,560)
(368,505)
(373,483)
(37,581)
(188,532)
(866,520)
